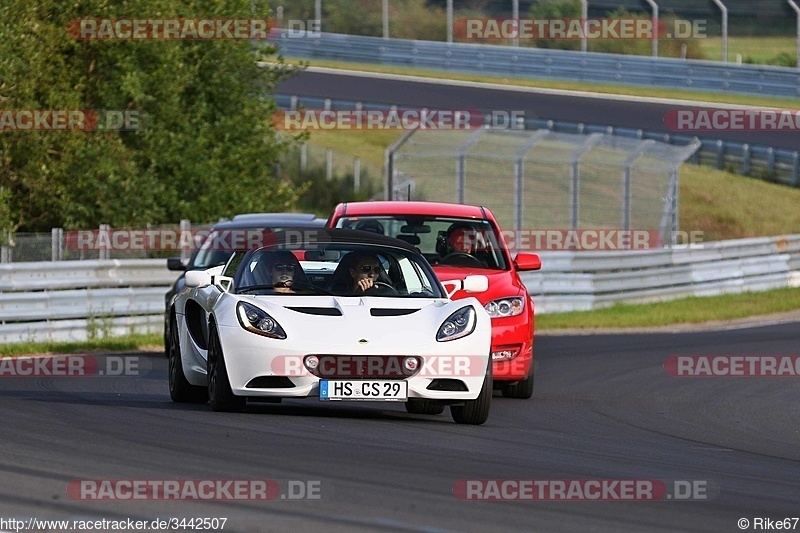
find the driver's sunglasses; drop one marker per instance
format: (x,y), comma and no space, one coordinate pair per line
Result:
(369,268)
(284,268)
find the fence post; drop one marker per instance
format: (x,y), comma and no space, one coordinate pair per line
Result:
(103,238)
(303,156)
(720,154)
(328,164)
(771,160)
(186,254)
(356,174)
(56,244)
(796,170)
(575,177)
(746,159)
(388,182)
(5,250)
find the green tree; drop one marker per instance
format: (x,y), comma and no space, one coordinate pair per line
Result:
(207,148)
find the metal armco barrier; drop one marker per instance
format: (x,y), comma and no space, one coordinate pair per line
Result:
(549,64)
(580,281)
(70,299)
(73,300)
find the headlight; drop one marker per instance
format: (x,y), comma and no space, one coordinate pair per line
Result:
(258,321)
(505,307)
(459,324)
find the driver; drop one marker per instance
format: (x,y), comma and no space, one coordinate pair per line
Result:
(365,272)
(282,270)
(465,240)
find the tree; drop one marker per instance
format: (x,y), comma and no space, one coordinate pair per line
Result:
(206,149)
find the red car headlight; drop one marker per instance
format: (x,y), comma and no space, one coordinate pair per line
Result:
(503,307)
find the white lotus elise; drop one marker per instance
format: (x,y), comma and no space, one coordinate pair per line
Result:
(335,315)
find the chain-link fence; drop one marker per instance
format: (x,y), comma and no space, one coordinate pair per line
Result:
(150,242)
(542,179)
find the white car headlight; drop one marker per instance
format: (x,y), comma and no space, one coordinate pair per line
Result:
(505,307)
(459,324)
(258,321)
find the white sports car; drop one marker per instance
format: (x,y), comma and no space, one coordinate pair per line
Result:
(335,315)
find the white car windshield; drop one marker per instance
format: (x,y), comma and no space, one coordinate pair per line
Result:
(337,269)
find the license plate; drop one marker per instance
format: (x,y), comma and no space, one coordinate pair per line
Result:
(363,390)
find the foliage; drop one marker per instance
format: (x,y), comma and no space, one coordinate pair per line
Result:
(207,148)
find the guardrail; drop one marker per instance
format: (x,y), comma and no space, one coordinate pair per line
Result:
(763,162)
(74,300)
(580,281)
(549,64)
(71,300)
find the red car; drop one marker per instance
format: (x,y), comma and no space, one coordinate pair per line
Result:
(459,240)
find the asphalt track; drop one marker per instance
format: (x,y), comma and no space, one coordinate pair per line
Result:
(604,408)
(604,110)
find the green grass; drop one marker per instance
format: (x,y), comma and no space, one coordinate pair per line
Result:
(759,49)
(117,344)
(653,92)
(684,311)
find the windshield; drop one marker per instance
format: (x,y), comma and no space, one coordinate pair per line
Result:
(336,269)
(444,241)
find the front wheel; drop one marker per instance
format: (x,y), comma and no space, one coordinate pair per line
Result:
(180,390)
(475,411)
(522,389)
(219,386)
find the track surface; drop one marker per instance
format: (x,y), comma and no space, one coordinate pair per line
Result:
(613,112)
(603,408)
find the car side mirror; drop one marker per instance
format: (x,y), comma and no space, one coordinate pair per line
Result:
(528,261)
(197,278)
(476,283)
(176,263)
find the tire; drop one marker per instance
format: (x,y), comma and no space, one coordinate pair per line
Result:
(416,406)
(522,389)
(180,390)
(476,411)
(220,394)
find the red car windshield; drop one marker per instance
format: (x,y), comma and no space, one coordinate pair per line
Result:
(444,241)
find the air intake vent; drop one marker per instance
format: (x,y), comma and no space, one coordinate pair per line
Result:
(447,384)
(321,311)
(392,312)
(270,382)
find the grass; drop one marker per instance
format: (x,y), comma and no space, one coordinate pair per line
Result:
(684,311)
(603,88)
(759,49)
(117,344)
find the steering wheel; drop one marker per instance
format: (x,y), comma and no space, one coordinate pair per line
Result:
(383,286)
(461,258)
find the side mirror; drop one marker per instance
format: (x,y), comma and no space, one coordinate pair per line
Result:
(175,263)
(476,283)
(527,261)
(197,278)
